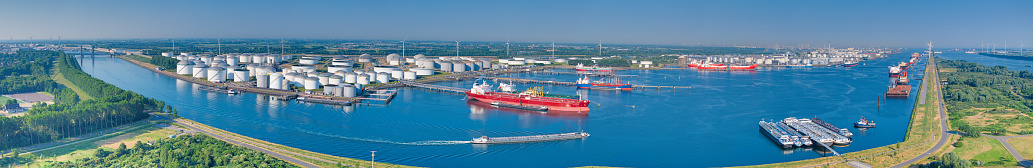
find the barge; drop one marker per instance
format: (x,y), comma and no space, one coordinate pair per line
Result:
(842,131)
(613,84)
(780,138)
(217,89)
(532,138)
(898,91)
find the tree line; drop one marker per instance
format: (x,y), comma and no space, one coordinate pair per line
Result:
(970,85)
(182,151)
(111,107)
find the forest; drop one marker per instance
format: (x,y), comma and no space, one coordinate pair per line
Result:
(969,85)
(182,151)
(30,73)
(73,117)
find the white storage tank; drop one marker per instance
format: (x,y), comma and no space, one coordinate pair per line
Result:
(216,74)
(342,62)
(324,78)
(362,79)
(418,56)
(471,66)
(359,71)
(328,89)
(560,60)
(446,66)
(423,71)
(232,61)
(308,61)
(244,58)
(397,74)
(312,74)
(258,59)
(546,62)
(299,80)
(516,62)
(504,61)
(241,75)
(206,59)
(347,90)
(276,81)
(383,77)
(311,83)
(335,79)
(372,76)
(262,80)
(458,67)
(409,75)
(365,58)
(350,77)
(273,59)
(518,59)
(184,67)
(200,71)
(335,68)
(410,60)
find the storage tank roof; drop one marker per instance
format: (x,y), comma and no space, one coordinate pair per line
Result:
(185,62)
(365,56)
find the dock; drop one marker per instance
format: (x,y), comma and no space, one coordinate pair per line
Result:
(583,74)
(434,87)
(530,81)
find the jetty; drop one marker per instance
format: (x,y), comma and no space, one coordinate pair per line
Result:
(434,87)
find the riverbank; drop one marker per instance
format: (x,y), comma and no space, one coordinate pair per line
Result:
(921,134)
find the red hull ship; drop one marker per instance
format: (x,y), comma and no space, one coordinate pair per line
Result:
(697,64)
(728,67)
(480,92)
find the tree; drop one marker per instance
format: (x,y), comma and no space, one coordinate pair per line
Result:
(100,153)
(121,149)
(175,113)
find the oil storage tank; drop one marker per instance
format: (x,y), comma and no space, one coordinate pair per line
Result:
(241,75)
(216,74)
(446,66)
(324,78)
(409,75)
(397,74)
(372,76)
(350,77)
(458,67)
(423,71)
(311,83)
(200,71)
(276,81)
(184,67)
(335,79)
(328,89)
(362,79)
(262,80)
(383,77)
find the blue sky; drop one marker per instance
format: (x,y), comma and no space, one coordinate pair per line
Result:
(899,23)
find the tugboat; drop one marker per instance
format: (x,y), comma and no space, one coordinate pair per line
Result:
(863,123)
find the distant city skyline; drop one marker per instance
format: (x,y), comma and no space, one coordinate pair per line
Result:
(707,23)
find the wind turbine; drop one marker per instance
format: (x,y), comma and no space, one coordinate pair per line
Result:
(403,46)
(600,48)
(281,46)
(995,47)
(507,46)
(554,47)
(457,49)
(1021,50)
(1005,46)
(930,47)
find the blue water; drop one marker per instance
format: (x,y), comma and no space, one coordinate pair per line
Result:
(1012,64)
(713,124)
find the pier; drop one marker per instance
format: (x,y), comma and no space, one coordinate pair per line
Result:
(583,74)
(530,81)
(434,87)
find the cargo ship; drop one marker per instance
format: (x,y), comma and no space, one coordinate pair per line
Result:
(581,67)
(803,139)
(585,83)
(482,92)
(849,64)
(902,78)
(842,131)
(728,67)
(509,88)
(799,66)
(696,64)
(894,71)
(532,138)
(781,138)
(898,91)
(903,65)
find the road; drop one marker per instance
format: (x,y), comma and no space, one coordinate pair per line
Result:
(1014,153)
(935,80)
(246,145)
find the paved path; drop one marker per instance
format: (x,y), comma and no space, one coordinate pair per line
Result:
(935,81)
(1014,153)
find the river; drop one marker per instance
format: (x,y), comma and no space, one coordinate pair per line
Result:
(713,124)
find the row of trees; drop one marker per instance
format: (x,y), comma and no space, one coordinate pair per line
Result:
(970,85)
(164,62)
(110,107)
(183,151)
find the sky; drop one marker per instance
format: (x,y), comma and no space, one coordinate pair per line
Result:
(874,23)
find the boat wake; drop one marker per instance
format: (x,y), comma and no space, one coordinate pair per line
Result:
(417,143)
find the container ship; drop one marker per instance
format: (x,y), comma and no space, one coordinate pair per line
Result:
(898,91)
(585,83)
(902,78)
(581,67)
(532,138)
(728,67)
(482,92)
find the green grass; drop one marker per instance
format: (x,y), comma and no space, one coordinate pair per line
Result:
(3,99)
(985,149)
(59,78)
